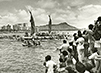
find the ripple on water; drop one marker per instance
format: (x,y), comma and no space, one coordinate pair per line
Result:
(14,58)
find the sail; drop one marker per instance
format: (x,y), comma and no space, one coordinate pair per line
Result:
(32,23)
(50,24)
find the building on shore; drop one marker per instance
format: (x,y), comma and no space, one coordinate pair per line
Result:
(20,27)
(6,28)
(3,28)
(15,27)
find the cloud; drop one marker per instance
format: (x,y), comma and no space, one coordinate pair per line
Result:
(40,15)
(80,17)
(87,15)
(22,15)
(28,7)
(36,11)
(90,11)
(41,19)
(8,19)
(5,0)
(13,18)
(59,19)
(47,4)
(76,2)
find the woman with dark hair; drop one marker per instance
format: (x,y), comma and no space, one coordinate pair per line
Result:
(91,38)
(97,29)
(79,34)
(75,36)
(86,45)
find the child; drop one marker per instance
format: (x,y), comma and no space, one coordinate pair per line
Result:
(62,64)
(49,64)
(62,59)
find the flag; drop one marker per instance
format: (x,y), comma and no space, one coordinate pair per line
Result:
(50,24)
(32,23)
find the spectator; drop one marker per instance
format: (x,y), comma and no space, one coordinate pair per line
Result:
(49,64)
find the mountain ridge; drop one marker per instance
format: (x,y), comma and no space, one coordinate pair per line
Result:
(58,27)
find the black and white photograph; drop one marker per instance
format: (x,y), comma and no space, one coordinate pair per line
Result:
(50,36)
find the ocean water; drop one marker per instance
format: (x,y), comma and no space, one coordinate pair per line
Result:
(15,58)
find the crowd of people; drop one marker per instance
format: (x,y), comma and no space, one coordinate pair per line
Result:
(82,54)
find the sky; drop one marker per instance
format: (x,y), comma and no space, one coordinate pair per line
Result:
(78,13)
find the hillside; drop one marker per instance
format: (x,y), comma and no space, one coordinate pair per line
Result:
(58,27)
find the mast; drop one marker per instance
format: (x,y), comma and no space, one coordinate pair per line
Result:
(50,24)
(32,23)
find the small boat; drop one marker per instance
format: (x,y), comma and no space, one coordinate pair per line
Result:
(27,38)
